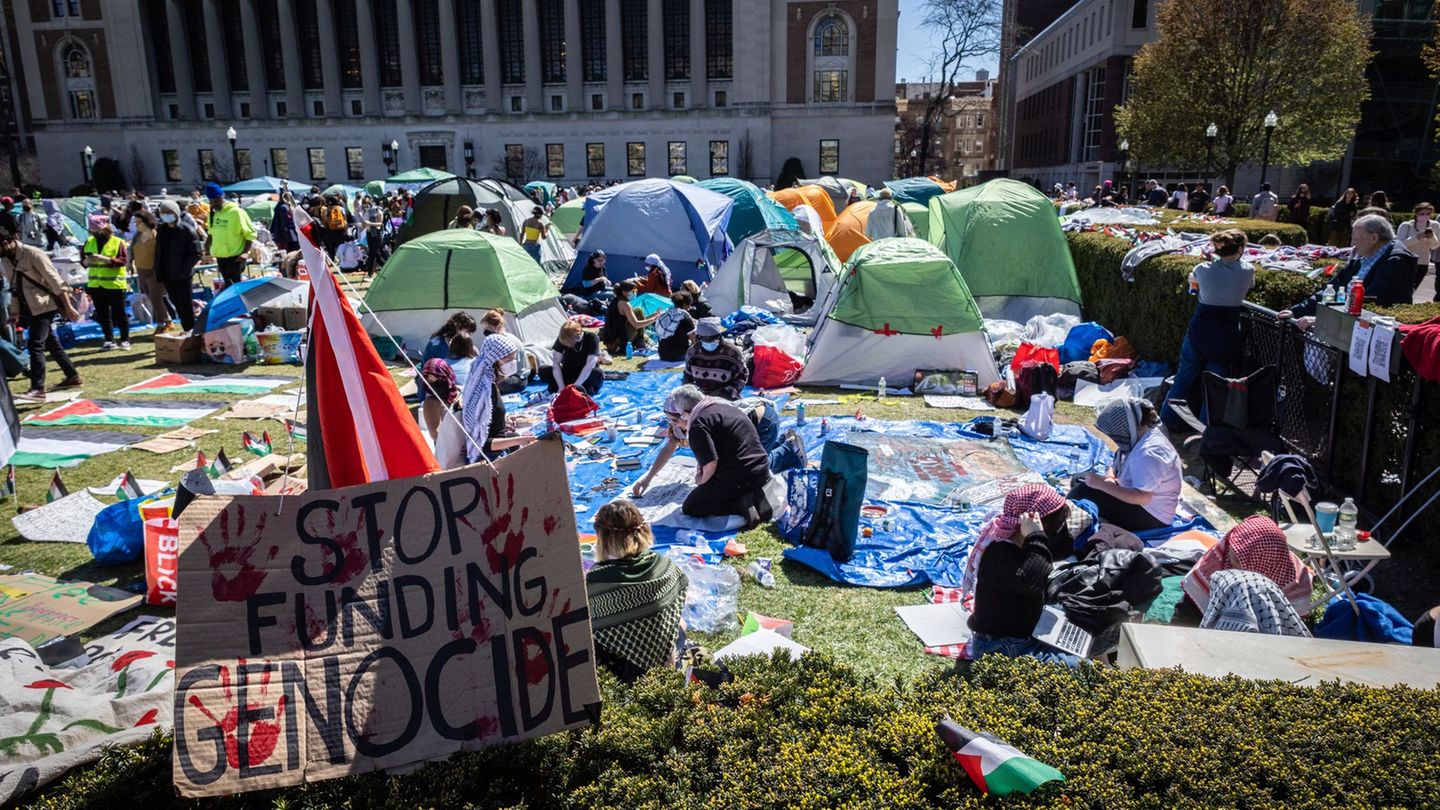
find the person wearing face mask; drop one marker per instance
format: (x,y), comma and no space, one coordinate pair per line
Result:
(714,364)
(516,371)
(483,412)
(31,224)
(105,256)
(622,323)
(1421,236)
(39,293)
(282,225)
(177,252)
(1143,492)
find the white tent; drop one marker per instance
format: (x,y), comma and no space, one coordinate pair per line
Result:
(900,306)
(768,267)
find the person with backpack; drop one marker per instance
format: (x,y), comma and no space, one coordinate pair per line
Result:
(335,223)
(39,293)
(177,251)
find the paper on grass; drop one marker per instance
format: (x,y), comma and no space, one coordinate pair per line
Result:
(760,642)
(66,520)
(937,625)
(952,401)
(147,486)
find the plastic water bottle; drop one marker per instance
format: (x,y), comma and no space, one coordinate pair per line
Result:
(760,570)
(800,412)
(880,389)
(1345,526)
(629,351)
(1339,296)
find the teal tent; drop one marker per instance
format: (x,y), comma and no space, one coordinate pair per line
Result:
(264,184)
(753,211)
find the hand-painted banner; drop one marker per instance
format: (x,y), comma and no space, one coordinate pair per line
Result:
(374,626)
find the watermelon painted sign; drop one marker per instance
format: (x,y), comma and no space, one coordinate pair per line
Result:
(379,625)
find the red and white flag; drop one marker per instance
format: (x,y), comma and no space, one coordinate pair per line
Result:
(368,433)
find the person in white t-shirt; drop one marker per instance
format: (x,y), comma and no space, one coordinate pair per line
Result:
(1143,492)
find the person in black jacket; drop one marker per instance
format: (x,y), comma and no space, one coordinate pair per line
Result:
(1385,267)
(176,254)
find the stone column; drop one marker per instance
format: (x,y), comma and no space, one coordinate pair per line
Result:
(450,57)
(290,42)
(329,45)
(574,68)
(530,17)
(409,60)
(254,61)
(655,19)
(369,58)
(490,56)
(179,59)
(219,75)
(698,92)
(614,56)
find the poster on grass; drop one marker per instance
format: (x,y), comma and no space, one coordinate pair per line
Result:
(376,626)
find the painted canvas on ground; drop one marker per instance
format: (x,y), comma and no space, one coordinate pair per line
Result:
(940,472)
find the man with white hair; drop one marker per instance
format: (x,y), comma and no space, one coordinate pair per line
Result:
(1377,260)
(887,219)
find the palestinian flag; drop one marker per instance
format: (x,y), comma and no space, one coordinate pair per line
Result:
(220,465)
(129,488)
(994,766)
(296,430)
(63,447)
(57,489)
(206,384)
(111,412)
(258,446)
(9,480)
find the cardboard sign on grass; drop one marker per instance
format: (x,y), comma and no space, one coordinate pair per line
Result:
(379,625)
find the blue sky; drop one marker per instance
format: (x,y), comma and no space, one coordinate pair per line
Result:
(914,49)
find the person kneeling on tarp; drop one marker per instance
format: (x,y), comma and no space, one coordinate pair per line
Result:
(732,474)
(636,596)
(1144,491)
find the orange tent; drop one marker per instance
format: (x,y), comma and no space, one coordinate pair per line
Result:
(813,196)
(847,233)
(948,185)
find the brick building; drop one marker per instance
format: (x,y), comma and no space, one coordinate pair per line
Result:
(963,137)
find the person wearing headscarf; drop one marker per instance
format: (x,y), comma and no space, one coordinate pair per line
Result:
(1247,602)
(636,596)
(657,278)
(1006,578)
(105,257)
(1143,490)
(1255,544)
(483,414)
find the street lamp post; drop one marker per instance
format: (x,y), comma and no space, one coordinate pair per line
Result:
(1210,133)
(395,153)
(1271,121)
(87,162)
(1125,161)
(234,155)
(469,159)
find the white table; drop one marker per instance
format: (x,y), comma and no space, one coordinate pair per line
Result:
(1370,553)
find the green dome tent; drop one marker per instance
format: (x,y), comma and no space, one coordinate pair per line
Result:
(434,276)
(919,218)
(435,206)
(1006,240)
(899,307)
(566,218)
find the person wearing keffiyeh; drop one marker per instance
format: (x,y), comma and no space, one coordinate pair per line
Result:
(636,596)
(1247,602)
(1255,544)
(483,414)
(1144,490)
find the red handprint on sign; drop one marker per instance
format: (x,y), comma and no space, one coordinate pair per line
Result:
(501,515)
(352,523)
(263,736)
(234,577)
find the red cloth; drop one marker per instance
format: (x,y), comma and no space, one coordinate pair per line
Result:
(571,404)
(1421,345)
(1029,351)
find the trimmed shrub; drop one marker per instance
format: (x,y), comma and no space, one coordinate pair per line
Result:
(1319,225)
(813,734)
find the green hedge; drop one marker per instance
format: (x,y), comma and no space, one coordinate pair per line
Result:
(1319,225)
(813,734)
(1154,310)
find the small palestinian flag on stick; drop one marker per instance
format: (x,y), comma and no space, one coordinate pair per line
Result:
(200,462)
(260,446)
(129,488)
(9,480)
(994,766)
(57,489)
(220,465)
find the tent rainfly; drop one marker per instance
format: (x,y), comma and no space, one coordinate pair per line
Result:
(435,206)
(899,307)
(682,223)
(813,196)
(753,212)
(772,270)
(847,233)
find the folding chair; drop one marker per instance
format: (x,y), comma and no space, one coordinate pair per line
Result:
(1240,426)
(1299,536)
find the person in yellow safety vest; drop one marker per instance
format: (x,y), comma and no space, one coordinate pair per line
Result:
(104,255)
(231,233)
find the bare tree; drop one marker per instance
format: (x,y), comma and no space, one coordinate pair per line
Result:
(967,30)
(137,168)
(745,159)
(531,165)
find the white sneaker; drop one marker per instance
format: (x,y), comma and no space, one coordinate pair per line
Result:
(107,345)
(125,344)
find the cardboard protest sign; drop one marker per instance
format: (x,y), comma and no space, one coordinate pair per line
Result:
(379,625)
(37,608)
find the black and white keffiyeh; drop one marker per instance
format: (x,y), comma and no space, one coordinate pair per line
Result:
(1247,602)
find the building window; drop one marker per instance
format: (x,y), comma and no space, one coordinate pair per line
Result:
(82,104)
(676,157)
(552,40)
(387,39)
(317,162)
(357,107)
(208,110)
(171,159)
(318,107)
(66,8)
(555,160)
(472,43)
(637,101)
(243,168)
(515,162)
(280,162)
(557,103)
(347,35)
(207,165)
(174,112)
(198,50)
(1140,14)
(160,42)
(234,46)
(595,159)
(677,39)
(720,98)
(244,109)
(592,40)
(597,101)
(635,39)
(829,156)
(719,61)
(355,162)
(281,109)
(719,158)
(307,20)
(831,85)
(427,41)
(516,104)
(274,54)
(1094,114)
(512,41)
(832,37)
(80,81)
(677,100)
(635,159)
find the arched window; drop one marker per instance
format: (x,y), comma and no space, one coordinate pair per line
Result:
(832,37)
(77,62)
(79,79)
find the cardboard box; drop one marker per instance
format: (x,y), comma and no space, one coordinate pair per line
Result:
(287,318)
(178,350)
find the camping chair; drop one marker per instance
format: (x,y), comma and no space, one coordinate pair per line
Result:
(1241,427)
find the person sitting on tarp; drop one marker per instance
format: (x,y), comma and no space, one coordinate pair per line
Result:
(675,329)
(699,304)
(787,451)
(1010,576)
(516,372)
(622,323)
(636,596)
(438,346)
(1255,544)
(483,412)
(575,360)
(1143,492)
(715,365)
(732,471)
(657,277)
